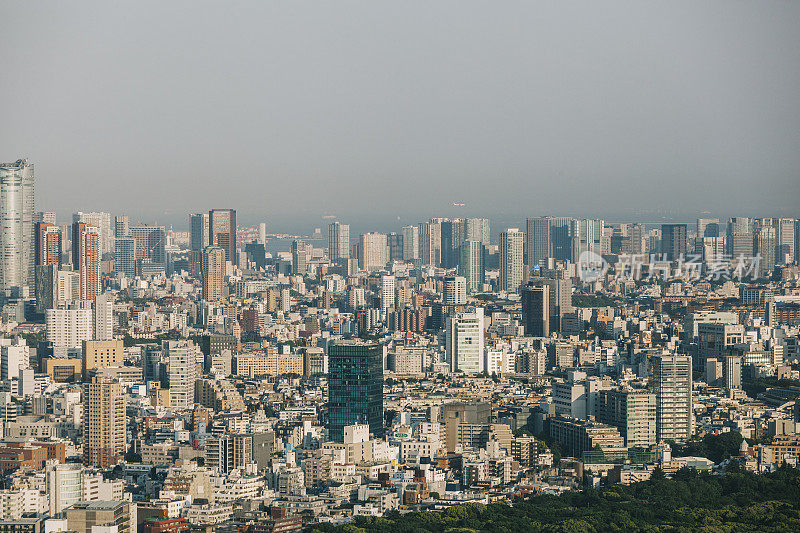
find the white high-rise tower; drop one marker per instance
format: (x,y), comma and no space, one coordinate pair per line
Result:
(511,267)
(16,224)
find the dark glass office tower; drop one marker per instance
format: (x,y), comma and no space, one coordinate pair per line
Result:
(536,310)
(673,241)
(355,387)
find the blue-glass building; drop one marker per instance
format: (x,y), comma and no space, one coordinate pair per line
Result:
(355,387)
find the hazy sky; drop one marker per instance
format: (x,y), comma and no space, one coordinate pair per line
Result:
(292,110)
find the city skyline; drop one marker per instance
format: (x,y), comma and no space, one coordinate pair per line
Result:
(399,266)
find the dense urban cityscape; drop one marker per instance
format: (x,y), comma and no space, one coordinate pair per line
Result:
(220,377)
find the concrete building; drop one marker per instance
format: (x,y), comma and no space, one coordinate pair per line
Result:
(86,517)
(104,427)
(464,341)
(578,436)
(181,372)
(733,372)
(70,323)
(373,252)
(100,354)
(671,382)
(511,256)
(632,412)
(455,290)
(213,268)
(387,292)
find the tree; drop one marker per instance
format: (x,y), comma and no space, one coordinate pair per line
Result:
(658,474)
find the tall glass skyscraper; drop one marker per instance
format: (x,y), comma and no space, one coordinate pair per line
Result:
(222,232)
(199,231)
(16,225)
(338,241)
(355,387)
(471,265)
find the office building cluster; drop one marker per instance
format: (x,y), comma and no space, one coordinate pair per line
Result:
(218,377)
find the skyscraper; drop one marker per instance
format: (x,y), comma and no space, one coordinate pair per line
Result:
(671,381)
(471,265)
(387,292)
(150,242)
(410,243)
(199,228)
(262,233)
(561,238)
(764,247)
(739,242)
(44,216)
(213,272)
(707,227)
(733,372)
(638,236)
(301,255)
(476,229)
(633,412)
(355,387)
(222,232)
(430,243)
(511,267)
(373,251)
(104,317)
(560,292)
(86,258)
(103,423)
(125,256)
(101,221)
(47,249)
(536,310)
(181,372)
(464,341)
(395,246)
(452,234)
(122,226)
(586,235)
(784,241)
(16,224)
(455,290)
(538,240)
(338,241)
(673,241)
